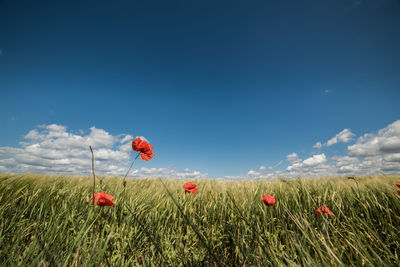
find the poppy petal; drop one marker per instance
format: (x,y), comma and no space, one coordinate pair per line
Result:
(194,190)
(268,200)
(136,144)
(103,199)
(189,185)
(96,196)
(146,157)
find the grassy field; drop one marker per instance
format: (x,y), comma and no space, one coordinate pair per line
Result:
(47,221)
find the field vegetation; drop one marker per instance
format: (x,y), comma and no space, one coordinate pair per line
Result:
(49,221)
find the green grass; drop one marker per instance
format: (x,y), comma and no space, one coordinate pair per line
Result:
(46,221)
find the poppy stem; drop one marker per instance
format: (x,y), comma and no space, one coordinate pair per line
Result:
(94,177)
(124,179)
(131,166)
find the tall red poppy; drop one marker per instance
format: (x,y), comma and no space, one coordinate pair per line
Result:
(103,199)
(190,188)
(268,200)
(144,148)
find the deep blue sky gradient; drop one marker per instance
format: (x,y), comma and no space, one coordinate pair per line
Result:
(217,87)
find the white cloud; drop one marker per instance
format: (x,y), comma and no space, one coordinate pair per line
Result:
(293,158)
(263,172)
(314,160)
(318,145)
(167,173)
(346,164)
(372,154)
(343,137)
(386,141)
(53,149)
(309,165)
(251,172)
(392,157)
(262,168)
(127,138)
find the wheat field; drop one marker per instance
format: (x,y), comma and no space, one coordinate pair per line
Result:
(49,221)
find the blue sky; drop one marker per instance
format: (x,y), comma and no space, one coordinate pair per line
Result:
(223,89)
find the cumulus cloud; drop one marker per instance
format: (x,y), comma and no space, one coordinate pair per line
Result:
(343,137)
(357,166)
(373,153)
(293,158)
(313,166)
(392,157)
(314,160)
(386,141)
(346,164)
(53,149)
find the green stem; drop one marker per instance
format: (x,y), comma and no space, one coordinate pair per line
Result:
(94,177)
(131,165)
(124,179)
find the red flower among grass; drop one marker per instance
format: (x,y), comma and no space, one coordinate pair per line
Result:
(398,185)
(144,148)
(190,188)
(268,200)
(318,212)
(324,209)
(103,199)
(398,192)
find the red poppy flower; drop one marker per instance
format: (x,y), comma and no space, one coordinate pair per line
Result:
(190,188)
(103,199)
(326,210)
(398,185)
(318,212)
(398,192)
(144,148)
(268,200)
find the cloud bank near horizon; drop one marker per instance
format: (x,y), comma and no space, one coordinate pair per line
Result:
(54,149)
(371,154)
